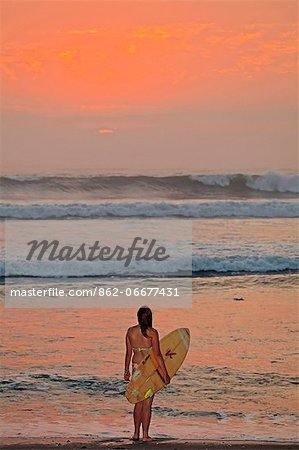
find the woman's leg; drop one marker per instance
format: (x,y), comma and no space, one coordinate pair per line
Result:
(137,419)
(146,417)
(137,411)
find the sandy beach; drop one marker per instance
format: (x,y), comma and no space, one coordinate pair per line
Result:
(216,395)
(118,444)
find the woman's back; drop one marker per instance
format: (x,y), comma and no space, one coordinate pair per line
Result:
(140,344)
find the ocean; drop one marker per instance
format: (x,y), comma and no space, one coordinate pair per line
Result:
(62,367)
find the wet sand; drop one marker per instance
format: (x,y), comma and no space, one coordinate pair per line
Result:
(118,444)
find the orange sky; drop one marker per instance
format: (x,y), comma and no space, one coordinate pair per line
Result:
(199,85)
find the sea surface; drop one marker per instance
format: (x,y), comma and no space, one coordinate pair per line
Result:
(62,368)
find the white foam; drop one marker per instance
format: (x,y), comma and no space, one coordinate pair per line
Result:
(194,209)
(203,264)
(274,182)
(247,264)
(268,182)
(214,180)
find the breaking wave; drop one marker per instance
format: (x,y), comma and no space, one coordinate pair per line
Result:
(266,209)
(236,185)
(202,266)
(269,182)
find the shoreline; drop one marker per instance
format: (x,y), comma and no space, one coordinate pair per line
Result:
(88,443)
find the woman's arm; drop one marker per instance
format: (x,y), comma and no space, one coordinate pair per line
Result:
(158,355)
(128,357)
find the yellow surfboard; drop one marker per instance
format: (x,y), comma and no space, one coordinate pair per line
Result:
(147,378)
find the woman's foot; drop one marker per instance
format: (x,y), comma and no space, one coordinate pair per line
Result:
(147,439)
(135,437)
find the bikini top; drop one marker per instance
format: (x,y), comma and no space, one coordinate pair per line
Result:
(140,349)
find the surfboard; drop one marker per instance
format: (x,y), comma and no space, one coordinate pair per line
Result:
(147,378)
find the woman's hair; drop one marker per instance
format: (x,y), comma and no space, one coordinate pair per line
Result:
(144,319)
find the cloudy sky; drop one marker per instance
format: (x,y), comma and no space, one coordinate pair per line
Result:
(147,86)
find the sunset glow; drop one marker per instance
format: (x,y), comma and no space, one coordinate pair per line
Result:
(145,65)
(129,59)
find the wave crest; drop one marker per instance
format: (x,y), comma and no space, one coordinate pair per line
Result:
(202,266)
(269,182)
(261,209)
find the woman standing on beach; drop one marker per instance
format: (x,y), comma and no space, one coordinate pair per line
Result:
(140,339)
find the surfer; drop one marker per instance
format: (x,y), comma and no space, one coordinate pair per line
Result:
(140,339)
